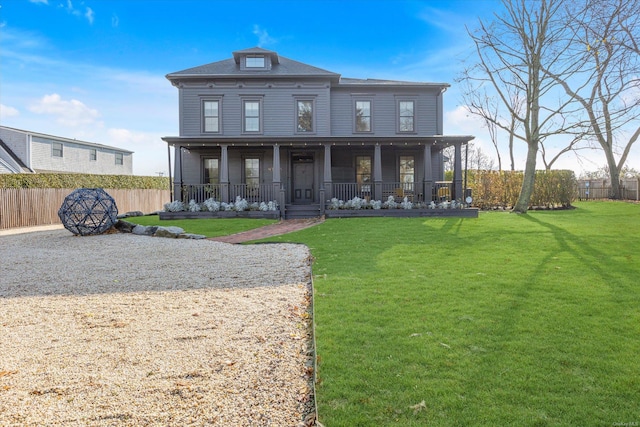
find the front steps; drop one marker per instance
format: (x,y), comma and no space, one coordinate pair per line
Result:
(301,211)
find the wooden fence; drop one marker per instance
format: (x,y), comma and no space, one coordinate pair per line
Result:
(601,189)
(28,207)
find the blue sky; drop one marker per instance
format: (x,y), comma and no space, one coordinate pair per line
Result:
(94,69)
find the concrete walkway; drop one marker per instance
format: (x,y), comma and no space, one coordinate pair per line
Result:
(282,227)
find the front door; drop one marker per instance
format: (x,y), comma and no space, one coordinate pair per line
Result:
(303,180)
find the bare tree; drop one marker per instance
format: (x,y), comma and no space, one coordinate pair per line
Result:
(479,102)
(511,53)
(600,70)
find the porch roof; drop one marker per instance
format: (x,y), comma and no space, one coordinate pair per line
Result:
(309,141)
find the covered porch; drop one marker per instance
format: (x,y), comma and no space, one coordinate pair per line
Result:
(305,175)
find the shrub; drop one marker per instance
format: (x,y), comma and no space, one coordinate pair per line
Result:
(76,180)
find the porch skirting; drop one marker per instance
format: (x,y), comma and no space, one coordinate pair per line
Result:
(332,213)
(220,214)
(401,213)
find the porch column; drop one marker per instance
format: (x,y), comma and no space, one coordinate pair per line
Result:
(328,180)
(377,173)
(276,174)
(224,174)
(427,182)
(457,173)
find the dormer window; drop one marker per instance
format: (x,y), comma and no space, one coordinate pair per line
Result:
(256,61)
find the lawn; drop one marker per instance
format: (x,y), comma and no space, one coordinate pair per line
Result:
(502,320)
(207,227)
(524,320)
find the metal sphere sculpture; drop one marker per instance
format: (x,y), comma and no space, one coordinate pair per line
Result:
(88,211)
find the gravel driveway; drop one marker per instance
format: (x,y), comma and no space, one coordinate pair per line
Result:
(129,330)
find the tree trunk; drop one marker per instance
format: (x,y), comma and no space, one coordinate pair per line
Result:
(614,174)
(528,181)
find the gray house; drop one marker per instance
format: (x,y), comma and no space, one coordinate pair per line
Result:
(265,127)
(23,151)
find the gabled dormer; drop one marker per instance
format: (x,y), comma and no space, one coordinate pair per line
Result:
(255,59)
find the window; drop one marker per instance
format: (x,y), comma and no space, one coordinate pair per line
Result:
(251,116)
(119,159)
(93,154)
(56,149)
(254,62)
(407,171)
(211,171)
(252,172)
(363,116)
(363,173)
(305,116)
(406,116)
(211,112)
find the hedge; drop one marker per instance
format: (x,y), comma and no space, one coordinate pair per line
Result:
(493,189)
(71,180)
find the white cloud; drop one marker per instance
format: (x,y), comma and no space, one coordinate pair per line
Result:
(115,21)
(150,152)
(6,111)
(462,120)
(39,1)
(69,113)
(441,19)
(263,36)
(89,14)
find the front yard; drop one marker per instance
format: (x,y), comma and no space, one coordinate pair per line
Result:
(501,320)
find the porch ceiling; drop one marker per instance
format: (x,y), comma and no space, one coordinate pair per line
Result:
(440,141)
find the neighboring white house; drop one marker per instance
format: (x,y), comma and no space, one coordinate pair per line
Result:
(23,151)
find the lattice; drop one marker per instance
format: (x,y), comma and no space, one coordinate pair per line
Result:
(88,211)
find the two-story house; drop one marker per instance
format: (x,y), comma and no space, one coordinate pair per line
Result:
(24,151)
(265,127)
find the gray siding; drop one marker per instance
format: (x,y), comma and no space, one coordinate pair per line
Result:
(384,110)
(278,106)
(334,107)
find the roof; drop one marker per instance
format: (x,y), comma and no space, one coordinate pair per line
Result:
(67,140)
(377,82)
(281,67)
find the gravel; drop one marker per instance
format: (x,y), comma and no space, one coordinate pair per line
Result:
(126,330)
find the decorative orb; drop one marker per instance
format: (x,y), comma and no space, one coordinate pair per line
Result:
(88,211)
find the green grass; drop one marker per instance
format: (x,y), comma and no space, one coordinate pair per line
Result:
(506,319)
(207,227)
(523,320)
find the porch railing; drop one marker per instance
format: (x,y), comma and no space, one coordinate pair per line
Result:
(442,191)
(252,193)
(200,192)
(347,191)
(400,190)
